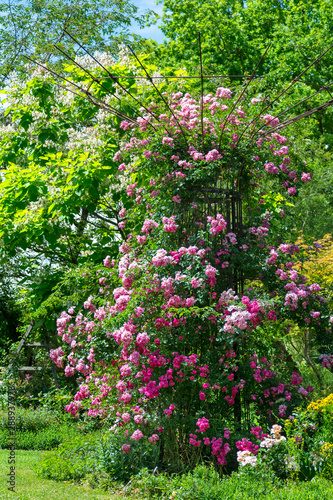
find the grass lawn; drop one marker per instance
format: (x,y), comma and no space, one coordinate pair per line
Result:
(30,487)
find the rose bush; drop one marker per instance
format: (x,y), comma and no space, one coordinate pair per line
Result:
(174,349)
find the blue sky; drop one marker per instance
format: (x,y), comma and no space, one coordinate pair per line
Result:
(152,31)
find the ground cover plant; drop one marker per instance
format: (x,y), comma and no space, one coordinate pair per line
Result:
(31,486)
(205,483)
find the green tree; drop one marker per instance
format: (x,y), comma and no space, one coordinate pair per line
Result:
(61,190)
(314,207)
(33,27)
(235,34)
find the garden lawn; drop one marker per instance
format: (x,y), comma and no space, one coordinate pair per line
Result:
(30,487)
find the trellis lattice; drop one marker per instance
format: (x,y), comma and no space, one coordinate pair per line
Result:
(116,78)
(210,202)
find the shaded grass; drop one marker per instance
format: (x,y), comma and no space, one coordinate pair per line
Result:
(31,487)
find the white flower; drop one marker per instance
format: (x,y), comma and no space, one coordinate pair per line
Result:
(246,457)
(269,442)
(291,463)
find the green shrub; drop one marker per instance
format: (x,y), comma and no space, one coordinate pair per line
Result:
(83,456)
(43,439)
(42,429)
(317,489)
(72,460)
(204,483)
(36,429)
(89,459)
(30,419)
(326,454)
(121,466)
(86,425)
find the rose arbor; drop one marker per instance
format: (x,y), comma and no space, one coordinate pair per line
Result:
(182,346)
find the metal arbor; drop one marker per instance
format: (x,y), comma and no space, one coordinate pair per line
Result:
(215,198)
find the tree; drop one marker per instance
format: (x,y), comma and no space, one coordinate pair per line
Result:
(61,191)
(60,188)
(235,35)
(32,28)
(313,209)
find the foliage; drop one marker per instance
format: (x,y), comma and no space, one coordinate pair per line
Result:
(44,146)
(38,429)
(46,427)
(304,352)
(30,419)
(71,461)
(205,484)
(30,486)
(9,317)
(235,35)
(44,439)
(304,453)
(313,209)
(317,262)
(47,226)
(314,423)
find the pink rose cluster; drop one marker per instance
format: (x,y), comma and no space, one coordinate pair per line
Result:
(219,449)
(203,424)
(169,224)
(57,356)
(218,224)
(148,225)
(247,445)
(326,360)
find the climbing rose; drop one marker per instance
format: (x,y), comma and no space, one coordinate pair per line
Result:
(137,435)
